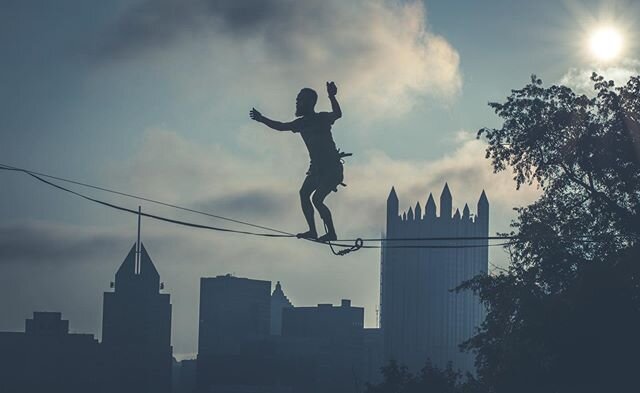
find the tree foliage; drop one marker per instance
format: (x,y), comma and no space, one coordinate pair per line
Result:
(431,379)
(565,315)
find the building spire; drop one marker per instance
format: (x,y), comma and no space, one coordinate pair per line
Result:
(279,301)
(127,270)
(138,248)
(430,207)
(418,212)
(483,213)
(483,206)
(279,296)
(445,202)
(392,206)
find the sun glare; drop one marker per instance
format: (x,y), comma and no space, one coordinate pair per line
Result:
(606,43)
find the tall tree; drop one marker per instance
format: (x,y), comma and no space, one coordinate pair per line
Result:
(565,315)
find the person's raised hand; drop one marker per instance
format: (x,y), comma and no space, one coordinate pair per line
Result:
(255,115)
(332,89)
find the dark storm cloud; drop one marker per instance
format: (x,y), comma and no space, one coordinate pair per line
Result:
(154,24)
(35,242)
(255,204)
(378,49)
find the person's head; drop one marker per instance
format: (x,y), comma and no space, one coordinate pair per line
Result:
(306,101)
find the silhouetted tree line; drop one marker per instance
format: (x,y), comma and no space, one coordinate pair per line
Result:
(564,316)
(431,379)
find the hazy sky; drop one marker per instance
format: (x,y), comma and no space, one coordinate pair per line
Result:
(152,98)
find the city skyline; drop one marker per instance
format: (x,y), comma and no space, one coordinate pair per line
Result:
(137,276)
(135,354)
(158,107)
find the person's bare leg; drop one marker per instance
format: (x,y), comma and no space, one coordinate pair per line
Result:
(318,201)
(308,186)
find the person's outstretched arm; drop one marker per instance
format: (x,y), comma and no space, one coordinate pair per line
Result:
(276,125)
(332,90)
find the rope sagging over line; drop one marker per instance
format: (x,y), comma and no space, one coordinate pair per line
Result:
(279,234)
(358,243)
(141,198)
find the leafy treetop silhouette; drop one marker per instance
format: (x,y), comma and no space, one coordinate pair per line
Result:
(564,316)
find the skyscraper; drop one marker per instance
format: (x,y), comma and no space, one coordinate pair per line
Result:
(136,327)
(421,317)
(233,336)
(233,311)
(279,301)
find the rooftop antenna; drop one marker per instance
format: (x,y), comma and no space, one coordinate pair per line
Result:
(138,244)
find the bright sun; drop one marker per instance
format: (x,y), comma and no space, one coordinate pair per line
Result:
(605,43)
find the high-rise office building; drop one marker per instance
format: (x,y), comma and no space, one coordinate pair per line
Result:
(233,312)
(136,328)
(421,317)
(233,337)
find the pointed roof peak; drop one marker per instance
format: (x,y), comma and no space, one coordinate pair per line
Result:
(392,193)
(483,197)
(430,207)
(128,266)
(457,214)
(147,268)
(445,189)
(417,205)
(278,296)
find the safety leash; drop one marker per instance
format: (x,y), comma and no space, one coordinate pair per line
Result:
(348,249)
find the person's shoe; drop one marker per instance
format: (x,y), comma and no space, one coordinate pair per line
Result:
(329,237)
(307,235)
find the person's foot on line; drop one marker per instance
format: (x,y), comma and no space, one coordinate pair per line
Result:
(307,235)
(328,237)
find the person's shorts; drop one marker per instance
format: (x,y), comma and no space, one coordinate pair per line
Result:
(327,176)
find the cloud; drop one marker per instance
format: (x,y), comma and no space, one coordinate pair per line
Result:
(46,243)
(580,79)
(380,52)
(465,170)
(262,186)
(256,203)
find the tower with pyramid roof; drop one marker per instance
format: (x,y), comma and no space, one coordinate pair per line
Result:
(136,327)
(279,301)
(421,318)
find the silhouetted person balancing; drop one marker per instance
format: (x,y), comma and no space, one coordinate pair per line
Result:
(325,170)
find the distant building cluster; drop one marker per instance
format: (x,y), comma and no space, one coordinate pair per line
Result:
(241,349)
(254,340)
